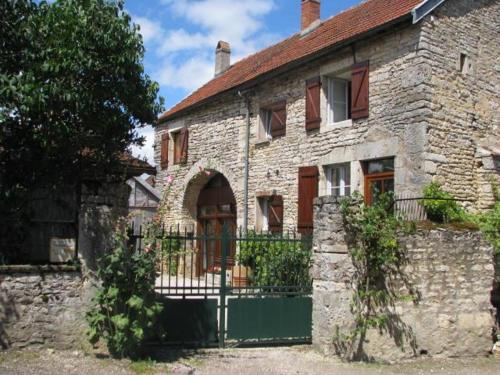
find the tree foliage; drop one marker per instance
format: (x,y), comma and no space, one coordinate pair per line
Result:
(73,93)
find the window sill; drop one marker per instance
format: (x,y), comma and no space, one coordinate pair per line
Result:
(336,125)
(262,142)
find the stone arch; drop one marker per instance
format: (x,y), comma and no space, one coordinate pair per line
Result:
(197,177)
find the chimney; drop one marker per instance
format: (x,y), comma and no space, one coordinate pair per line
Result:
(222,57)
(310,13)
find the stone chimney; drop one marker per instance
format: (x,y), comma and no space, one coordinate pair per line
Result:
(310,13)
(222,57)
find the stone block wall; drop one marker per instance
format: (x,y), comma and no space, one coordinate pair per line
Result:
(42,306)
(453,272)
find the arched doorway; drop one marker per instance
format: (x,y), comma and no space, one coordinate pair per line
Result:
(216,208)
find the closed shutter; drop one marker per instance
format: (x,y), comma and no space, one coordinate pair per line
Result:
(313,114)
(164,151)
(360,90)
(184,145)
(275,213)
(278,120)
(308,190)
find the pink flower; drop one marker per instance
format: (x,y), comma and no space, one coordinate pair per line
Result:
(170,179)
(147,249)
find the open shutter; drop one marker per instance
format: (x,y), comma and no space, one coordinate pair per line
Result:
(308,190)
(278,120)
(360,90)
(164,151)
(313,95)
(184,145)
(275,214)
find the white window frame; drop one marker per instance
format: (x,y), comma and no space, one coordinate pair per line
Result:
(331,101)
(344,170)
(266,116)
(263,213)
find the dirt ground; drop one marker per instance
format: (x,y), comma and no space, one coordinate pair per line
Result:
(262,361)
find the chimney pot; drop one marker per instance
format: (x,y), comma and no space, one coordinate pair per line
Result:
(311,12)
(222,57)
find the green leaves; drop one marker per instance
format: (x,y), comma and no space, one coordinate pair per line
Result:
(125,311)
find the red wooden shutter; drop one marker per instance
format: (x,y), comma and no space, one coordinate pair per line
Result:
(184,145)
(360,90)
(308,190)
(278,119)
(275,214)
(164,151)
(313,114)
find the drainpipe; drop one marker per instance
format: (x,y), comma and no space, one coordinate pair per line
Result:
(246,168)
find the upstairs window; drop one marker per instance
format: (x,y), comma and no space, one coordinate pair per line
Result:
(273,121)
(338,95)
(339,180)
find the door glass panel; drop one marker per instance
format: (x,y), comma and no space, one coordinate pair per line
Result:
(380,166)
(389,185)
(376,187)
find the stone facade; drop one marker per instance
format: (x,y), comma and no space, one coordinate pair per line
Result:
(452,271)
(423,112)
(42,306)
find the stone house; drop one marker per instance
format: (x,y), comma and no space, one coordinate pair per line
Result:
(388,95)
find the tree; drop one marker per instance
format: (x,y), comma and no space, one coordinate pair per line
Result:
(73,93)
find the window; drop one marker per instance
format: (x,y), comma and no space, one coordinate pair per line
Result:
(270,214)
(338,100)
(177,140)
(273,121)
(339,180)
(379,178)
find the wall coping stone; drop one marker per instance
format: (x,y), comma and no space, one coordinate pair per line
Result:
(30,269)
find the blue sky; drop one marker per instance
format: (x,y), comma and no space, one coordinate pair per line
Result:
(180,38)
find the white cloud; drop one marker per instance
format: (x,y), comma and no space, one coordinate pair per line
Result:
(149,29)
(146,151)
(189,75)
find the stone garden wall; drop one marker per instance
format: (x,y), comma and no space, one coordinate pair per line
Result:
(452,270)
(42,305)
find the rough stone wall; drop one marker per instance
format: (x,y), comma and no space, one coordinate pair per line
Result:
(396,126)
(41,308)
(453,272)
(465,104)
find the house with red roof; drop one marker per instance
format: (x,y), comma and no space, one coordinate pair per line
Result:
(386,96)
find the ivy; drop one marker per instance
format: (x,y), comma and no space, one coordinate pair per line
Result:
(125,310)
(378,259)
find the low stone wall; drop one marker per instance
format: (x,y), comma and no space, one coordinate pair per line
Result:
(41,306)
(452,271)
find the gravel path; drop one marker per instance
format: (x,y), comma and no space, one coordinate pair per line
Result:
(267,361)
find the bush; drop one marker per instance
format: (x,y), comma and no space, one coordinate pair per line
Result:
(276,261)
(125,311)
(440,205)
(489,223)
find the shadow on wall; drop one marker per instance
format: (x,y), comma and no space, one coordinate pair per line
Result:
(8,312)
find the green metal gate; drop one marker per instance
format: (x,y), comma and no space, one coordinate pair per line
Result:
(231,297)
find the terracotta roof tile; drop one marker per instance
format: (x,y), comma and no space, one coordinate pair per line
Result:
(344,26)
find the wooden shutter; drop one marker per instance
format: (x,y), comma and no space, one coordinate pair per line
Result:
(360,90)
(308,190)
(164,151)
(275,213)
(278,119)
(313,95)
(184,145)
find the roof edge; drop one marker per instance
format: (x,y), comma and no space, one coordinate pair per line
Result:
(424,8)
(148,187)
(293,64)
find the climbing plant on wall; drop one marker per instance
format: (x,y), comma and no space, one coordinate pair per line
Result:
(378,259)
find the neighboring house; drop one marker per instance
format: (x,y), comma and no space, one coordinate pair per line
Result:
(386,96)
(143,201)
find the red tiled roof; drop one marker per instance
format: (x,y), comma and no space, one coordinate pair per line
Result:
(344,26)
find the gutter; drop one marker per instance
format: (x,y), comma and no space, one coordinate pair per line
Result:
(246,161)
(293,65)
